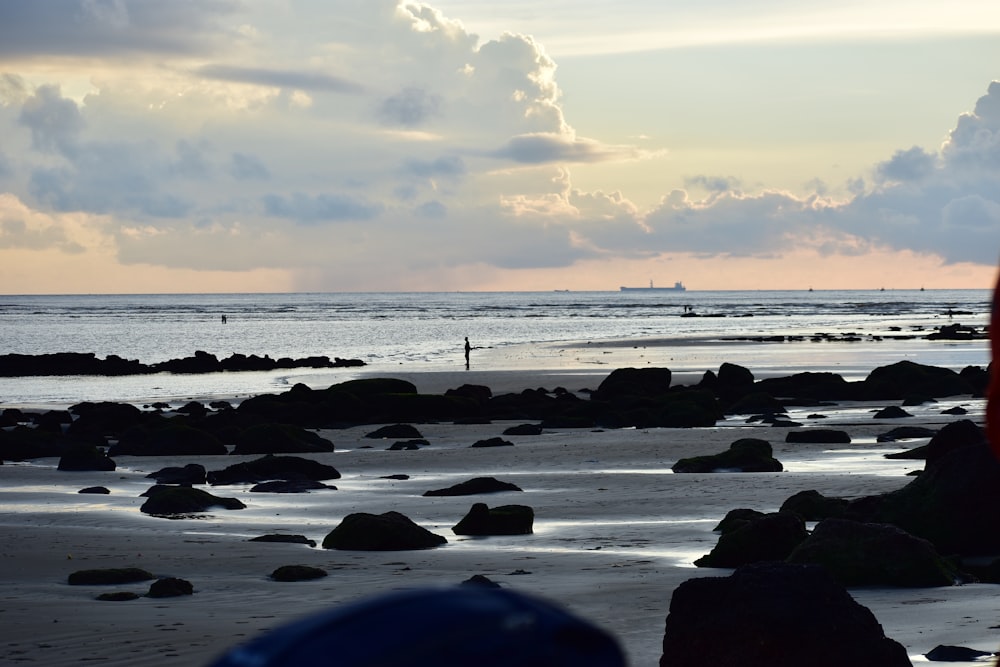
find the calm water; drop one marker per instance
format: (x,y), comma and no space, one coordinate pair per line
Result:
(424,331)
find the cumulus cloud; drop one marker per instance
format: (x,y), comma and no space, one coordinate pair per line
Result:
(55,122)
(411,107)
(541,148)
(314,209)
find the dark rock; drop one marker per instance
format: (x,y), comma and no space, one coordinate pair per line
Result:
(773,615)
(103,419)
(395,431)
(170,587)
(892,412)
(108,576)
(390,531)
(166,500)
(502,520)
(813,506)
(119,596)
(480,580)
(289,486)
(625,382)
(755,402)
(86,458)
(271,468)
(407,445)
(808,387)
(280,439)
(905,433)
(819,435)
(910,401)
(958,410)
(771,537)
(523,429)
(99,490)
(193,409)
(288,539)
(473,487)
(867,554)
(397,476)
(942,653)
(476,392)
(736,518)
(904,378)
(954,503)
(22,443)
(192,473)
(298,573)
(492,442)
(165,437)
(953,436)
(744,455)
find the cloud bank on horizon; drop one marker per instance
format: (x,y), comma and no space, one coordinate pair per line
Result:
(374,144)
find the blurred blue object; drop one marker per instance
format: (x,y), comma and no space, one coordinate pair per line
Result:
(464,625)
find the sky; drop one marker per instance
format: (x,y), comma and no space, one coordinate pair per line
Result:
(464,145)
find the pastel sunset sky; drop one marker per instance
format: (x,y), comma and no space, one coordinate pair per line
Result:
(374,145)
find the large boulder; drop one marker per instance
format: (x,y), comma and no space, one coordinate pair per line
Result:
(770,537)
(270,468)
(818,435)
(744,455)
(167,500)
(869,554)
(390,531)
(502,520)
(774,615)
(812,505)
(103,419)
(624,382)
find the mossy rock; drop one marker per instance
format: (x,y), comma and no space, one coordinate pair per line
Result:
(109,576)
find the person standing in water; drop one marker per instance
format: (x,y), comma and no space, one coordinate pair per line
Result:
(468,348)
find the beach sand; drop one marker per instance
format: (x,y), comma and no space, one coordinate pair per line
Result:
(615,533)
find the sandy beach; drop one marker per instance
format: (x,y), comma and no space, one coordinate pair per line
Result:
(615,532)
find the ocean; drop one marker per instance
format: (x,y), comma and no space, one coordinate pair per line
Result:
(511,331)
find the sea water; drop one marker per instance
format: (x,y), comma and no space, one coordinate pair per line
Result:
(425,331)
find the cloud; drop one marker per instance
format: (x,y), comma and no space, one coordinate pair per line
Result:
(410,108)
(910,165)
(110,28)
(307,209)
(55,122)
(248,168)
(542,148)
(277,78)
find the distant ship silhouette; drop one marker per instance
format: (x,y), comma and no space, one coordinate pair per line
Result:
(678,287)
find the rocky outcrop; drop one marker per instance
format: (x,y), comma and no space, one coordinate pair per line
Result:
(744,455)
(868,554)
(271,468)
(774,615)
(165,437)
(172,500)
(391,531)
(86,458)
(108,576)
(87,363)
(819,435)
(170,587)
(474,486)
(297,573)
(192,473)
(280,439)
(769,537)
(502,520)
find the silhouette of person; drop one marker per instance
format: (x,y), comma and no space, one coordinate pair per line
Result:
(223,319)
(468,348)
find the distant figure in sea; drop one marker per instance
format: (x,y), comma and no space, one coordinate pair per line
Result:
(223,319)
(468,348)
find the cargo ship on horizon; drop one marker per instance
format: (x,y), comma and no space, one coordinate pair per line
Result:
(678,287)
